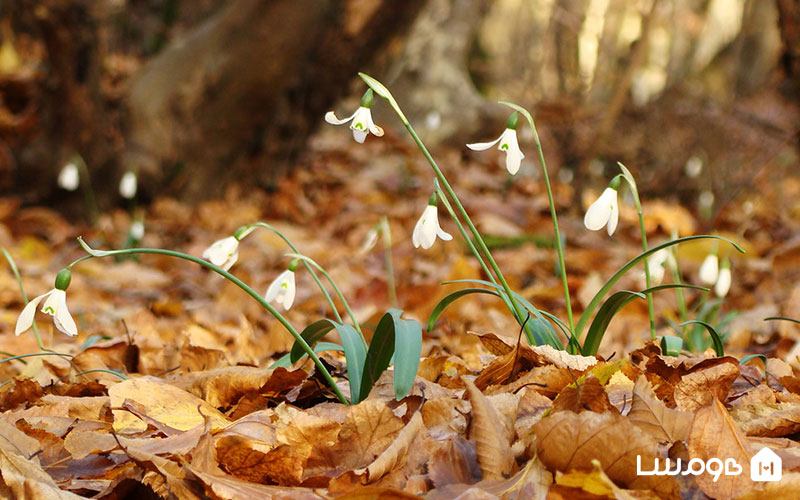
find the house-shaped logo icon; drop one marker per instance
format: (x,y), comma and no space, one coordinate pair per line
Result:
(766,465)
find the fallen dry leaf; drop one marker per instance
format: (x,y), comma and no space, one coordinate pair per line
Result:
(395,453)
(490,436)
(369,428)
(699,388)
(714,434)
(653,417)
(163,402)
(768,419)
(24,479)
(569,441)
(585,395)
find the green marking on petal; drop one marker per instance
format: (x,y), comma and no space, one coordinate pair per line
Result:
(504,147)
(284,285)
(49,310)
(359,126)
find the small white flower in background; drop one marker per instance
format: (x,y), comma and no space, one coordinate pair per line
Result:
(693,167)
(362,123)
(137,230)
(127,185)
(69,178)
(225,252)
(658,266)
(282,290)
(724,280)
(55,305)
(605,210)
(508,143)
(427,228)
(709,270)
(370,240)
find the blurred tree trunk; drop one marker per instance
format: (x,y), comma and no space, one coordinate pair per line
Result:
(430,78)
(234,98)
(789,22)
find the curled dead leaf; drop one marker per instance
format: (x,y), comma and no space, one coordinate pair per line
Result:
(490,435)
(653,417)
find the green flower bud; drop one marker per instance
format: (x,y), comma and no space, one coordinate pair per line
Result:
(434,199)
(366,100)
(513,120)
(615,182)
(242,232)
(63,278)
(293,265)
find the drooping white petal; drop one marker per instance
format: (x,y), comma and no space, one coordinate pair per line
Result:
(613,217)
(25,319)
(601,212)
(483,146)
(723,282)
(330,117)
(56,306)
(127,185)
(656,273)
(374,129)
(425,230)
(509,144)
(282,290)
(444,236)
(359,135)
(223,253)
(709,270)
(69,178)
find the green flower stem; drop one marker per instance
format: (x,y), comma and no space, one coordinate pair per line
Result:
(477,255)
(307,266)
(321,269)
(632,183)
(103,370)
(678,280)
(236,281)
(15,270)
(382,91)
(386,236)
(559,243)
(33,354)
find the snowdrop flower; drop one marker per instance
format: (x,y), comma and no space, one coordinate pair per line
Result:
(225,252)
(282,290)
(427,228)
(658,266)
(69,178)
(605,210)
(127,185)
(136,230)
(508,143)
(723,280)
(709,270)
(55,305)
(362,123)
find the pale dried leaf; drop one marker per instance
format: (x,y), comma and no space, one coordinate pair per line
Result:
(369,428)
(714,434)
(768,419)
(699,388)
(24,479)
(395,453)
(490,435)
(653,417)
(569,440)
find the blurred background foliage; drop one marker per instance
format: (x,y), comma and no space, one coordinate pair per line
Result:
(198,95)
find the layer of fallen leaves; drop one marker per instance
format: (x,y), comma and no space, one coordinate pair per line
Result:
(201,415)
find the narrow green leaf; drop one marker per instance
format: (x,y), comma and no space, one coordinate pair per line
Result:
(550,336)
(603,317)
(749,358)
(783,318)
(597,299)
(355,354)
(311,334)
(719,348)
(671,345)
(401,338)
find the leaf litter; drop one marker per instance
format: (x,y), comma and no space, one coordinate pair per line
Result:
(202,415)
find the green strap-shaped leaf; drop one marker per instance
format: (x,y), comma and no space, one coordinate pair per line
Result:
(285,361)
(401,338)
(783,318)
(719,348)
(548,335)
(603,317)
(747,359)
(671,345)
(311,334)
(598,298)
(611,307)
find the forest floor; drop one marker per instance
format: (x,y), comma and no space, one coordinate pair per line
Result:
(201,415)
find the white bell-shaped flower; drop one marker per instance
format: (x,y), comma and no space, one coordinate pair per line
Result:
(69,177)
(723,282)
(709,270)
(361,121)
(223,253)
(282,290)
(128,185)
(508,143)
(427,229)
(603,212)
(55,304)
